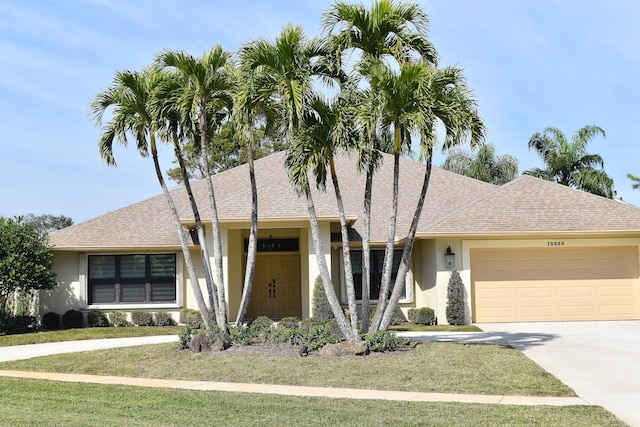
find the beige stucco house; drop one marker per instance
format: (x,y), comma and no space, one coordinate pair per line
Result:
(530,250)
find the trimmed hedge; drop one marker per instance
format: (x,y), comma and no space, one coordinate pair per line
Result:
(72,319)
(97,319)
(51,321)
(422,316)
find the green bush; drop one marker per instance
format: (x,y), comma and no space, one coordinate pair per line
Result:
(382,341)
(320,303)
(289,323)
(185,336)
(97,319)
(119,319)
(455,300)
(72,319)
(142,318)
(310,322)
(192,318)
(51,321)
(163,319)
(260,329)
(280,335)
(318,336)
(422,316)
(240,335)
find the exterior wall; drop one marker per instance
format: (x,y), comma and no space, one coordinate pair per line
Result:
(66,295)
(312,265)
(443,274)
(424,266)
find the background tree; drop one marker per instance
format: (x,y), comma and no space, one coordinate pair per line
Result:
(568,163)
(484,165)
(47,223)
(636,181)
(25,260)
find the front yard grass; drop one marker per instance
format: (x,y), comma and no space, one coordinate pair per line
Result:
(432,366)
(35,403)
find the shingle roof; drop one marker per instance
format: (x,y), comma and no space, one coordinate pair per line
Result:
(531,205)
(455,205)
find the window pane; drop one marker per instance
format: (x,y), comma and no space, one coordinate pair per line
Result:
(163,292)
(163,265)
(132,265)
(102,267)
(132,292)
(103,294)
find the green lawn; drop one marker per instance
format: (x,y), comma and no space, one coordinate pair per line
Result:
(37,403)
(432,366)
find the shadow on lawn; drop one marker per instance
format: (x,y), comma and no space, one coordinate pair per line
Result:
(520,340)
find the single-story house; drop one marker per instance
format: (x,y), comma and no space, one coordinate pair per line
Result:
(530,250)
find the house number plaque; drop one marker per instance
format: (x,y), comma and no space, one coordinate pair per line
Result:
(555,243)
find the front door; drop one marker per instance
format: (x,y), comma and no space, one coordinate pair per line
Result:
(276,287)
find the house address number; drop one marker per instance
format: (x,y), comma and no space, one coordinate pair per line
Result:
(555,243)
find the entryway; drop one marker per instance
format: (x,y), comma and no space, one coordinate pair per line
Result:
(276,286)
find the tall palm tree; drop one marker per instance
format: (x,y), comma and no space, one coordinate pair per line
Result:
(288,65)
(129,98)
(443,99)
(327,132)
(484,165)
(568,163)
(386,30)
(206,93)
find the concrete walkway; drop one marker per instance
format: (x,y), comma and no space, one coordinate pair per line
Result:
(36,350)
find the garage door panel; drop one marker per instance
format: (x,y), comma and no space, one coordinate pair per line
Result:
(555,284)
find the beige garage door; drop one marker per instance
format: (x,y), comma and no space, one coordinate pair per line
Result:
(520,285)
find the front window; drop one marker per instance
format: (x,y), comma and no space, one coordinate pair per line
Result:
(132,279)
(375,275)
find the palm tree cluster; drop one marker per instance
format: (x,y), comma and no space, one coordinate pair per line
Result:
(389,92)
(484,165)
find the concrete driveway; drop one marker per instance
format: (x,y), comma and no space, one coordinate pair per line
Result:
(599,360)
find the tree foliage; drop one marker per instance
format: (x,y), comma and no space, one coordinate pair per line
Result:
(567,162)
(484,165)
(25,259)
(636,181)
(47,223)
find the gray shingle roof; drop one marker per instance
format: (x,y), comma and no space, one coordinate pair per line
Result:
(455,205)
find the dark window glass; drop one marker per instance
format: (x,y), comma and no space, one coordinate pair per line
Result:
(119,279)
(375,275)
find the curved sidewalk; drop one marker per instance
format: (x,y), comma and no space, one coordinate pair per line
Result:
(36,350)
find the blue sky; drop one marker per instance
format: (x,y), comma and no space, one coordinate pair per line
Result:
(531,63)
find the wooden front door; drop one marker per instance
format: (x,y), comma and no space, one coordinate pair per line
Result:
(276,287)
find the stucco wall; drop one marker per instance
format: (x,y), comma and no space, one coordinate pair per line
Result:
(66,295)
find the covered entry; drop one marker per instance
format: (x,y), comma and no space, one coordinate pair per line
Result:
(555,284)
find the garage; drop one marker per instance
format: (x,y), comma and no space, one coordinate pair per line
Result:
(556,283)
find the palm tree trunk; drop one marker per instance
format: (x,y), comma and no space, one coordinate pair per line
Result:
(408,247)
(324,269)
(219,300)
(202,242)
(252,249)
(366,250)
(346,252)
(388,253)
(193,276)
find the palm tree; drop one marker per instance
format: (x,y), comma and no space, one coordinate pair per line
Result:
(443,98)
(484,165)
(636,181)
(390,30)
(567,162)
(206,93)
(288,66)
(129,96)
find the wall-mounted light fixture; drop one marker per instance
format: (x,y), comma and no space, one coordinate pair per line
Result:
(449,258)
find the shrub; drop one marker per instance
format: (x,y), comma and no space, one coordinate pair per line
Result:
(320,304)
(422,316)
(260,329)
(289,323)
(185,336)
(51,321)
(119,319)
(17,324)
(455,300)
(191,318)
(310,322)
(142,318)
(383,341)
(163,319)
(240,335)
(72,319)
(318,336)
(285,336)
(97,319)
